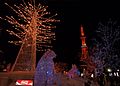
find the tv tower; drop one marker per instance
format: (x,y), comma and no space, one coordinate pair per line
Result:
(84,46)
(87,63)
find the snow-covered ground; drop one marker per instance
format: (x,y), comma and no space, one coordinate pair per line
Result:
(60,80)
(63,80)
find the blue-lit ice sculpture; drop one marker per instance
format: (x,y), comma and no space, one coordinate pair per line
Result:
(44,74)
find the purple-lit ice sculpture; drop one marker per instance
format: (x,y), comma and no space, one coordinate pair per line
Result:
(73,71)
(44,74)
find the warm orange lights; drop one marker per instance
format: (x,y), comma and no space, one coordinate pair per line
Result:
(85,56)
(84,46)
(82,32)
(33,29)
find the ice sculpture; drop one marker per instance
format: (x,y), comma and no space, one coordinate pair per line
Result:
(44,74)
(73,71)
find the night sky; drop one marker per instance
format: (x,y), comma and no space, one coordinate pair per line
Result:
(72,14)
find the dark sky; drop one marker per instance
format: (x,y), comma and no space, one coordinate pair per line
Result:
(72,14)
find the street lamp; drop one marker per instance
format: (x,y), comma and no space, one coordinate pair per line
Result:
(118,70)
(109,70)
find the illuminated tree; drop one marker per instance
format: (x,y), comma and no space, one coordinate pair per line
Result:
(60,67)
(97,56)
(105,52)
(34,30)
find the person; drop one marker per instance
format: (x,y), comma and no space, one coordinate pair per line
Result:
(88,83)
(8,67)
(101,80)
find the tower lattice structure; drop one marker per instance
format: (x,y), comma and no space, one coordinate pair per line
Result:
(88,64)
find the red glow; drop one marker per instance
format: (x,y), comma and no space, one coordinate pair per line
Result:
(82,32)
(85,57)
(24,82)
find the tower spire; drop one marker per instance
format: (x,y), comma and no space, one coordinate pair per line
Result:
(82,32)
(84,46)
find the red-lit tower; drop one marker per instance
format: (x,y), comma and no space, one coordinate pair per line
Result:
(86,62)
(84,46)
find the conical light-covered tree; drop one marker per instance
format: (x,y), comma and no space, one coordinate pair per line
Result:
(34,29)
